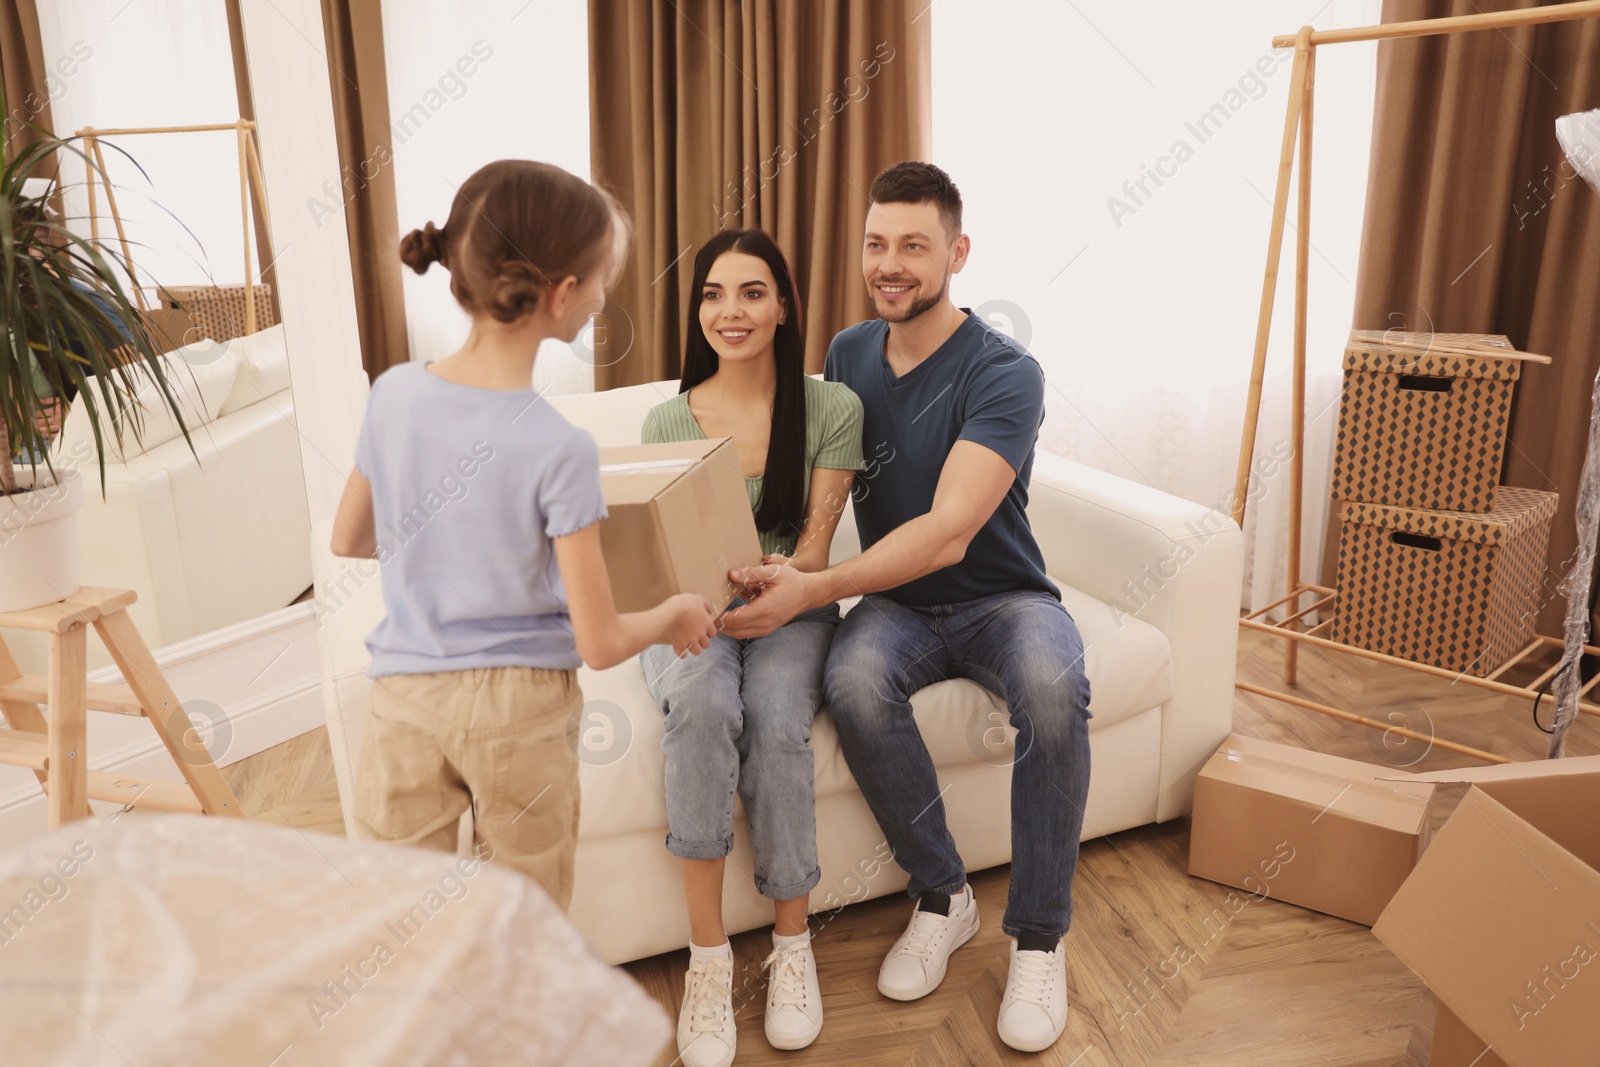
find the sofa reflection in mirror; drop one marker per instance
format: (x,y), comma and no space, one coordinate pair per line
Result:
(209,536)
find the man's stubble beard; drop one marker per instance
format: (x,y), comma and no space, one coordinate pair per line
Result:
(917,307)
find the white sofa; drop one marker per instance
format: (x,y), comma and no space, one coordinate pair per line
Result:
(1161,665)
(207,537)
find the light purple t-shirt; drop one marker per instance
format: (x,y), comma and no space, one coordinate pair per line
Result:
(469,486)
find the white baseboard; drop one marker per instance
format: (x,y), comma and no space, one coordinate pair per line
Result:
(259,680)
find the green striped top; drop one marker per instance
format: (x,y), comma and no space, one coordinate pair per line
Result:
(833,440)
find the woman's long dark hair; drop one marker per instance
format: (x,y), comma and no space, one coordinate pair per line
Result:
(782,508)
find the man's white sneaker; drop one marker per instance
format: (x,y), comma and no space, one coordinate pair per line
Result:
(707,1036)
(915,965)
(794,1000)
(1034,1010)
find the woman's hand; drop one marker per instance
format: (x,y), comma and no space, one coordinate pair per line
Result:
(50,417)
(754,577)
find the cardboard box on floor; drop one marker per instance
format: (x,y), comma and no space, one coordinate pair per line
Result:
(1501,917)
(1454,1045)
(1306,828)
(679,519)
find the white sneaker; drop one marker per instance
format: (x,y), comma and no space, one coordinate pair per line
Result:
(1034,1010)
(915,965)
(794,1000)
(707,1036)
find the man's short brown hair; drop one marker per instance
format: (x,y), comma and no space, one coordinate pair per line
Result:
(914,182)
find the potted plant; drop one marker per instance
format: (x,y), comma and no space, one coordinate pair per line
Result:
(68,328)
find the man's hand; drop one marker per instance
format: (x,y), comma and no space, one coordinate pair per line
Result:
(777,593)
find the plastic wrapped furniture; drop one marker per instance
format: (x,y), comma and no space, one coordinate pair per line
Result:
(174,940)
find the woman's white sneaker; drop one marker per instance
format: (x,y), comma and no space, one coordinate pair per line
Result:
(794,1000)
(915,965)
(1034,1010)
(707,1036)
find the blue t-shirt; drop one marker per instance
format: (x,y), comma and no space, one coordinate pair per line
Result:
(980,385)
(469,487)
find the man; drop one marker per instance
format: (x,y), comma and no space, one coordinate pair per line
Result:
(955,587)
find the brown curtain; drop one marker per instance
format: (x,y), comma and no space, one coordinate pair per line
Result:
(353,30)
(714,114)
(1475,223)
(22,65)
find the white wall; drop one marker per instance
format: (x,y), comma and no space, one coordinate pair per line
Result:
(154,63)
(1143,315)
(528,97)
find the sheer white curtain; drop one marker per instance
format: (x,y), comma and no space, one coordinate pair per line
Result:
(527,96)
(1117,165)
(155,63)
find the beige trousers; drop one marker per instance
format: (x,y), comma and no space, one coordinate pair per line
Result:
(495,739)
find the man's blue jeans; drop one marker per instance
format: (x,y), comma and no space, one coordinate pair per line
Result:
(1024,648)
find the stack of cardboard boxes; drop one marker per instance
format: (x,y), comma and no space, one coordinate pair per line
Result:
(1438,562)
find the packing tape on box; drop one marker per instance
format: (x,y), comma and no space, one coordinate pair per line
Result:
(649,466)
(1371,788)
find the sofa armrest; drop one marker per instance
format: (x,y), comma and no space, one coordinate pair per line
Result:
(1169,562)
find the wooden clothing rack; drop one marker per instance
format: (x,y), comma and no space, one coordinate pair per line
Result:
(1297,125)
(251,184)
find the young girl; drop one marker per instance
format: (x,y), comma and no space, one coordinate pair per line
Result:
(480,504)
(742,711)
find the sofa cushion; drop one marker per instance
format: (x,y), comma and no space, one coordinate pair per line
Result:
(199,376)
(263,368)
(1129,664)
(614,417)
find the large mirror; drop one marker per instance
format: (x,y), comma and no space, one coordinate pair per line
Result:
(209,527)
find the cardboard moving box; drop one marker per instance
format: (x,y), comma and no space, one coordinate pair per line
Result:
(1501,917)
(679,519)
(1456,1046)
(1320,831)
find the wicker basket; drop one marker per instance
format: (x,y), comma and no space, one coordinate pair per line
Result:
(1455,589)
(1420,427)
(218,311)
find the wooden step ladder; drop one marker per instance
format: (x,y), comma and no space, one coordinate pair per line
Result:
(57,751)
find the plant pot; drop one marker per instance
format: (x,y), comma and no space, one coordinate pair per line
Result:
(39,540)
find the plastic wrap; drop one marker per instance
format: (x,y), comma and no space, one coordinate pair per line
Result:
(1579,135)
(1568,680)
(173,940)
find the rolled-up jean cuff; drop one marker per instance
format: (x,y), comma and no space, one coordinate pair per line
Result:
(789,892)
(948,891)
(699,850)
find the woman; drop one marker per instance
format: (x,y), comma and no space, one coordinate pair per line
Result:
(739,716)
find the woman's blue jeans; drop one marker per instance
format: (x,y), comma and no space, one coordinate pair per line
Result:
(739,720)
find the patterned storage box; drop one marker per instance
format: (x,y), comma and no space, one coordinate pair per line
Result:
(1420,427)
(218,310)
(1453,589)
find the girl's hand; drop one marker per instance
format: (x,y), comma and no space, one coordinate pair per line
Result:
(692,627)
(776,559)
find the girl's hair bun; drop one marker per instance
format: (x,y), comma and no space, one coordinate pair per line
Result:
(420,249)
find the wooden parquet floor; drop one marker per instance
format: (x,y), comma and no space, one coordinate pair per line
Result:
(1161,972)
